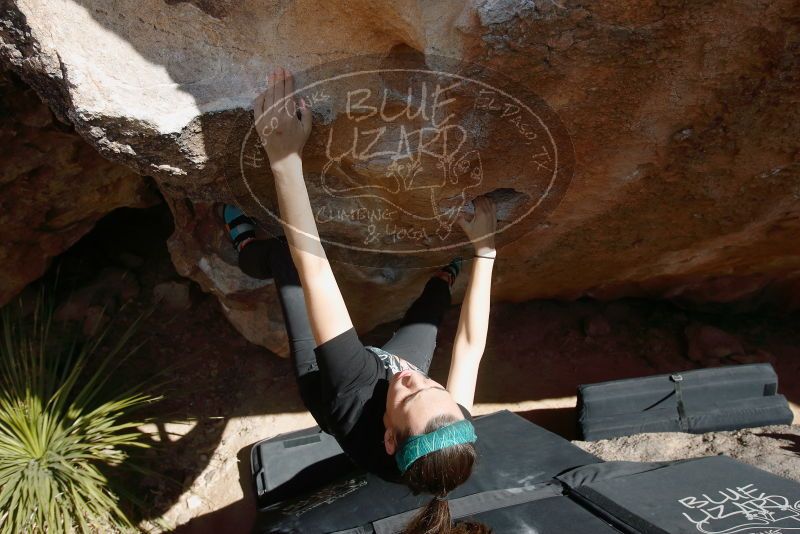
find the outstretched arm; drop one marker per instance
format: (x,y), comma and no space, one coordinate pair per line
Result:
(473,323)
(283,136)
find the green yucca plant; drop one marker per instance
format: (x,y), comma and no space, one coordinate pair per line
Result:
(58,427)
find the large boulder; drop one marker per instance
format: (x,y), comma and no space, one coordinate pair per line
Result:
(668,130)
(54,186)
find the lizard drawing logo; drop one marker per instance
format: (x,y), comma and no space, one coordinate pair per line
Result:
(438,164)
(399,149)
(742,510)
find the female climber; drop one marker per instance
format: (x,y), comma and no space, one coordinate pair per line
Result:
(380,405)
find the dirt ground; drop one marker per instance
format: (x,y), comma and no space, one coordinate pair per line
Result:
(772,448)
(226,394)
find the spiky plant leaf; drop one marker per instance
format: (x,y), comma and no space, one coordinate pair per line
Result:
(59,426)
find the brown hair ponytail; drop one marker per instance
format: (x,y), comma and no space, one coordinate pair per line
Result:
(438,473)
(435,519)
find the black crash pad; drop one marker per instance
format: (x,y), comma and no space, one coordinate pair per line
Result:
(287,465)
(555,515)
(529,480)
(514,455)
(723,398)
(712,495)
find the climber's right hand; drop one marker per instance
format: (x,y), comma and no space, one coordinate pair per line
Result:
(282,123)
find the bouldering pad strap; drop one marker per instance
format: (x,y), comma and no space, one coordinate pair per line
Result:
(683,421)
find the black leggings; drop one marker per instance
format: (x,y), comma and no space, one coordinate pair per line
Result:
(414,340)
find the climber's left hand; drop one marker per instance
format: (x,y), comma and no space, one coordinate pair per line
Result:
(282,122)
(482,227)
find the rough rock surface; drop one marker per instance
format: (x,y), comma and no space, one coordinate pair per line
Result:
(682,118)
(53,187)
(772,448)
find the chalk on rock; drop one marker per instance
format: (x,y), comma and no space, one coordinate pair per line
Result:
(193,502)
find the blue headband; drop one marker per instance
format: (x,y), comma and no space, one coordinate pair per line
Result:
(418,446)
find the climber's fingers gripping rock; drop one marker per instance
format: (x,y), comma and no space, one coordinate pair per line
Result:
(282,123)
(481,228)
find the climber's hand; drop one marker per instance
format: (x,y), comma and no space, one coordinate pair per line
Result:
(481,229)
(282,123)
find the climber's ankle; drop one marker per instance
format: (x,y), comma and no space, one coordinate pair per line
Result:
(449,272)
(447,277)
